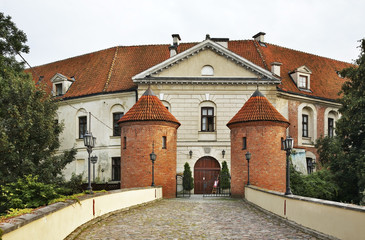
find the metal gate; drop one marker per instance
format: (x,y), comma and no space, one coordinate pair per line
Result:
(219,187)
(180,192)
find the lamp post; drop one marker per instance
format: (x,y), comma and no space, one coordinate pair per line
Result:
(288,144)
(248,157)
(94,159)
(153,159)
(89,142)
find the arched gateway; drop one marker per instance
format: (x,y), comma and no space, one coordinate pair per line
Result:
(206,170)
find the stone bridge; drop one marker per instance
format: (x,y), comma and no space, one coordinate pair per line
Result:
(141,213)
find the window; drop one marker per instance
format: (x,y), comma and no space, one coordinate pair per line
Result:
(304,125)
(82,126)
(244,143)
(207,119)
(303,82)
(58,89)
(116,128)
(282,143)
(124,142)
(164,139)
(115,168)
(330,127)
(310,165)
(207,71)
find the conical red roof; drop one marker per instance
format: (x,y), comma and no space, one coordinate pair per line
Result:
(257,108)
(148,108)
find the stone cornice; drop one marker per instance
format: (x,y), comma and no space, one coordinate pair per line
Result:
(205,80)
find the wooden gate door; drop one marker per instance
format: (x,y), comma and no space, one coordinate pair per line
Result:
(206,170)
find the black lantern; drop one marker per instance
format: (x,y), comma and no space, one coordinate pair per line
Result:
(223,153)
(153,159)
(89,142)
(191,154)
(288,144)
(94,159)
(248,157)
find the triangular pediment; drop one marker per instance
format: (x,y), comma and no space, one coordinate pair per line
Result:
(303,69)
(58,77)
(207,62)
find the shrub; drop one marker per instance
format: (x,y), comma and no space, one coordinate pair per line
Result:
(188,180)
(224,176)
(26,192)
(319,184)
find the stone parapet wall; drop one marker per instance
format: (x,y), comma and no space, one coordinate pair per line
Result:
(58,220)
(337,220)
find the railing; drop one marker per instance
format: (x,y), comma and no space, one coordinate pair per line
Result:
(218,188)
(180,191)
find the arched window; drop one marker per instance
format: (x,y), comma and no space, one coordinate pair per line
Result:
(307,124)
(330,117)
(207,70)
(117,111)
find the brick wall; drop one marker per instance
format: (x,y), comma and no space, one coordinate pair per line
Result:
(268,161)
(136,166)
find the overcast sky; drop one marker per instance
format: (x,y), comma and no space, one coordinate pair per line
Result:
(61,29)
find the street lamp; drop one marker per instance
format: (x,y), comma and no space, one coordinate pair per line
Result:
(288,144)
(248,157)
(94,159)
(89,142)
(153,159)
(223,153)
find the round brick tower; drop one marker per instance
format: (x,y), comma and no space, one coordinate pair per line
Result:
(148,126)
(258,128)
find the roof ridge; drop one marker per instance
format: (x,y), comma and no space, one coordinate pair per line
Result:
(291,49)
(260,54)
(111,70)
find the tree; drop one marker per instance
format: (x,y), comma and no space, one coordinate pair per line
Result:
(12,42)
(188,180)
(344,154)
(28,131)
(224,176)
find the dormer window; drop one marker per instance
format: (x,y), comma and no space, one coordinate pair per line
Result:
(61,84)
(207,70)
(58,89)
(301,77)
(303,82)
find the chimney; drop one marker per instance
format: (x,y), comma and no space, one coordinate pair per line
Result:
(173,50)
(175,39)
(221,41)
(275,68)
(259,37)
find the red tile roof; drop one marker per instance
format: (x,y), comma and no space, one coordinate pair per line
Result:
(111,70)
(257,108)
(148,108)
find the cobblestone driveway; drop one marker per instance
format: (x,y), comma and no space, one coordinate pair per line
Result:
(192,219)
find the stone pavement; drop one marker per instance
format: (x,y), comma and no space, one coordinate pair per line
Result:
(194,218)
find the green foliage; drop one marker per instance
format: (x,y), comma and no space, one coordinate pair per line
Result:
(188,180)
(12,42)
(319,184)
(13,212)
(28,132)
(26,192)
(344,154)
(74,186)
(224,176)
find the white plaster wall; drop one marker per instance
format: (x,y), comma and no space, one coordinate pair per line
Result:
(107,145)
(186,100)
